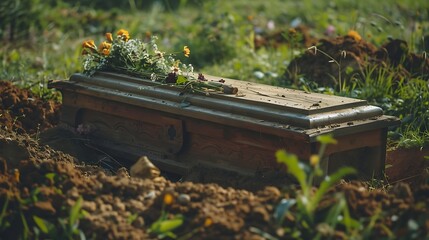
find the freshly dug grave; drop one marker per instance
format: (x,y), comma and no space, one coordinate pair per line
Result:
(37,181)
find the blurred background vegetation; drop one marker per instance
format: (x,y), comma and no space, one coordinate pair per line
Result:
(247,40)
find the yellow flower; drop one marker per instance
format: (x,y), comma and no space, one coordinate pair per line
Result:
(168,199)
(208,222)
(109,37)
(89,44)
(314,159)
(124,34)
(16,175)
(186,51)
(104,48)
(355,35)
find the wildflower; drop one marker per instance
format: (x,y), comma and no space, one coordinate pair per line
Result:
(159,54)
(186,51)
(208,222)
(168,199)
(16,175)
(271,25)
(124,34)
(292,32)
(314,160)
(109,37)
(201,77)
(89,44)
(104,48)
(330,31)
(355,35)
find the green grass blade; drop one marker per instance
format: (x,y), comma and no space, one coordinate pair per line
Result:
(329,182)
(41,224)
(169,225)
(75,212)
(292,163)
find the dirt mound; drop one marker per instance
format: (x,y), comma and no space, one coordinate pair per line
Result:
(298,37)
(52,184)
(22,111)
(351,57)
(43,183)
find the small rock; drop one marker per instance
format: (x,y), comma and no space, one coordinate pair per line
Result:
(122,172)
(45,206)
(144,168)
(89,206)
(183,199)
(150,195)
(135,206)
(106,207)
(119,206)
(138,222)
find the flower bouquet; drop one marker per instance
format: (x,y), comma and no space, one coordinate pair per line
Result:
(122,54)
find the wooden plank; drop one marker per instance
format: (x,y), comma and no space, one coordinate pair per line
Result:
(372,138)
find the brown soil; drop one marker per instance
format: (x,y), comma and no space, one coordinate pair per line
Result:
(37,180)
(299,36)
(22,111)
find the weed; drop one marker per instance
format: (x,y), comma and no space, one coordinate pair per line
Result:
(308,200)
(341,81)
(165,224)
(67,228)
(4,224)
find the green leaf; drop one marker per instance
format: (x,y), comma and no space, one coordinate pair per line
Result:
(24,224)
(50,176)
(281,210)
(181,79)
(14,55)
(348,221)
(326,139)
(328,182)
(75,211)
(293,167)
(41,224)
(34,194)
(3,211)
(132,218)
(335,211)
(169,225)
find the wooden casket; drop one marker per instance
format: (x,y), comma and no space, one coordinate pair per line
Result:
(131,117)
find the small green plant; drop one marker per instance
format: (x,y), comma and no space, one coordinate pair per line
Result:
(293,37)
(166,224)
(67,228)
(4,224)
(308,199)
(341,82)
